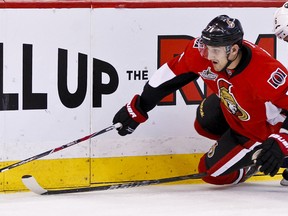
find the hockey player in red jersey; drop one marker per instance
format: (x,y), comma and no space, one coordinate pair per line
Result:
(243,114)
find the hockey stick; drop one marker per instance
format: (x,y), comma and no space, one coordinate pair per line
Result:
(118,182)
(118,125)
(31,183)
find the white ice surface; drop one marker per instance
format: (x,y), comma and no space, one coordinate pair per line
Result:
(252,198)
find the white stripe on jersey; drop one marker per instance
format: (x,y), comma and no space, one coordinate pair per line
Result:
(233,160)
(163,74)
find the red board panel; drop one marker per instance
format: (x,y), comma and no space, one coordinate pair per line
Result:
(136,4)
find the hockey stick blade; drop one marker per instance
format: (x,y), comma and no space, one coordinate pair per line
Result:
(31,183)
(35,157)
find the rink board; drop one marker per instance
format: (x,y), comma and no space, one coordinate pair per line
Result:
(69,66)
(67,173)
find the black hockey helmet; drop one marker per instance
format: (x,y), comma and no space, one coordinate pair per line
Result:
(223,31)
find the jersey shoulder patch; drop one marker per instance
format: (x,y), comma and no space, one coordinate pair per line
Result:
(277,78)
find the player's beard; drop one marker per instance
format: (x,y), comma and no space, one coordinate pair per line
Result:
(218,67)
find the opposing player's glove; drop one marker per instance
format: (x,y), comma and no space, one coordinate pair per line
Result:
(130,116)
(271,157)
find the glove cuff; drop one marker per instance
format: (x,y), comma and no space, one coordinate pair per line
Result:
(135,111)
(281,139)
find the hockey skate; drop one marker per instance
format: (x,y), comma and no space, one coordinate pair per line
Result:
(250,171)
(284,181)
(253,169)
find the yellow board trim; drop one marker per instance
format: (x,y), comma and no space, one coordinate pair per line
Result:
(50,173)
(64,173)
(143,167)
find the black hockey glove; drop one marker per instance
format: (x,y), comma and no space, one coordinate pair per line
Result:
(130,116)
(271,157)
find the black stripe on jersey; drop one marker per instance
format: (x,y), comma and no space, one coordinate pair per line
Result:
(150,96)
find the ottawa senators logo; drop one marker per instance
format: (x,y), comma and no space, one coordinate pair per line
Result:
(229,101)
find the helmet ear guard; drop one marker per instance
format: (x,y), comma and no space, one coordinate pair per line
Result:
(223,31)
(280,27)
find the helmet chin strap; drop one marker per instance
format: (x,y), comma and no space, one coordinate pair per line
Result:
(227,65)
(228,50)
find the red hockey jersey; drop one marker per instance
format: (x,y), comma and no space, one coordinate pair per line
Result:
(252,96)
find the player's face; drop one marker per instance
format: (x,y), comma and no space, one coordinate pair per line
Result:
(218,57)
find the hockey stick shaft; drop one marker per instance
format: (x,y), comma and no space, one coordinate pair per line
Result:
(118,125)
(31,183)
(127,184)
